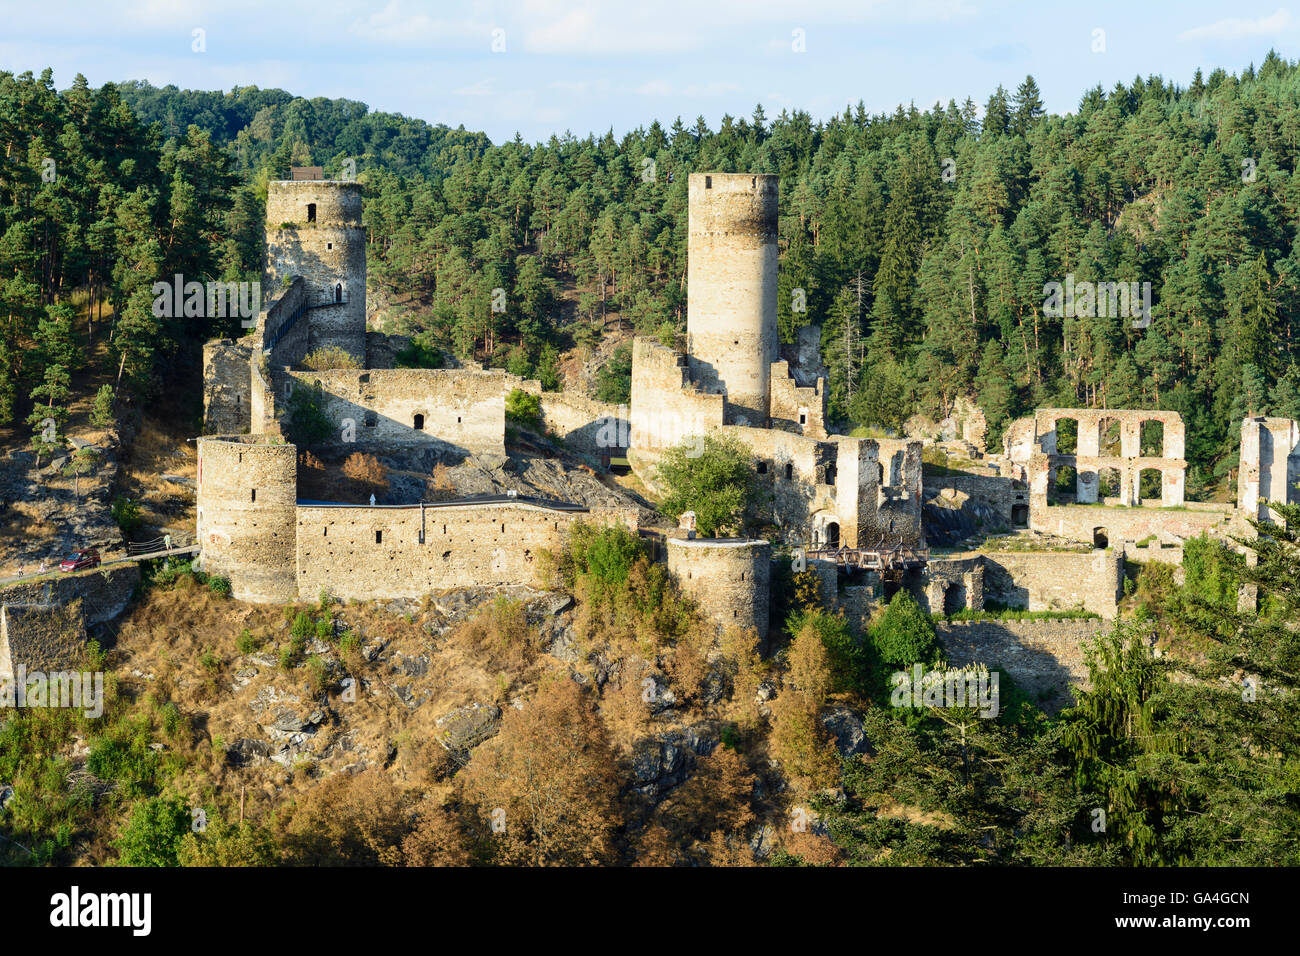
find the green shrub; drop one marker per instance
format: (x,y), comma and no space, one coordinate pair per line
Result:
(173,721)
(330,357)
(849,657)
(124,757)
(712,476)
(246,643)
(349,644)
(1212,572)
(524,409)
(127,515)
(219,586)
(606,554)
(101,413)
(614,378)
(305,415)
(421,353)
(904,634)
(317,674)
(154,832)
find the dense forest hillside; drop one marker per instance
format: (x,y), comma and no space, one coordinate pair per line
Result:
(921,241)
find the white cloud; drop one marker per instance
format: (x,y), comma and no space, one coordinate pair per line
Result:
(397,23)
(481,88)
(603,29)
(1236,28)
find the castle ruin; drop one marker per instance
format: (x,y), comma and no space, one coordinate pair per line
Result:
(1109,482)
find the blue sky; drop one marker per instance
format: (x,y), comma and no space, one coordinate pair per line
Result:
(591,65)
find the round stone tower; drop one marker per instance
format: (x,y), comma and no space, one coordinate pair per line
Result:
(313,230)
(730,579)
(731,290)
(247,516)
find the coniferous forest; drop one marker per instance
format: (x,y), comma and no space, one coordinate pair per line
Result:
(922,239)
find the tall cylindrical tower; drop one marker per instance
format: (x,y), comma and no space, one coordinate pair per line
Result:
(313,230)
(731,289)
(247,527)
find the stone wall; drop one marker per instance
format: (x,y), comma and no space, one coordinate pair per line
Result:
(794,472)
(996,493)
(363,553)
(1056,580)
(1270,465)
(40,637)
(102,592)
(952,584)
(463,409)
(226,387)
(314,230)
(731,289)
(1119,524)
(730,580)
(795,408)
(897,515)
(247,493)
(665,405)
(590,428)
(1044,658)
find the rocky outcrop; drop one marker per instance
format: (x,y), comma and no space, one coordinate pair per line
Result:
(464,728)
(665,760)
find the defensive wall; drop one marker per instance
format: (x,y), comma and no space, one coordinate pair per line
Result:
(40,637)
(1056,580)
(407,551)
(1044,658)
(274,549)
(460,408)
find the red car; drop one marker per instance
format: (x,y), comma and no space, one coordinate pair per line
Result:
(79,560)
